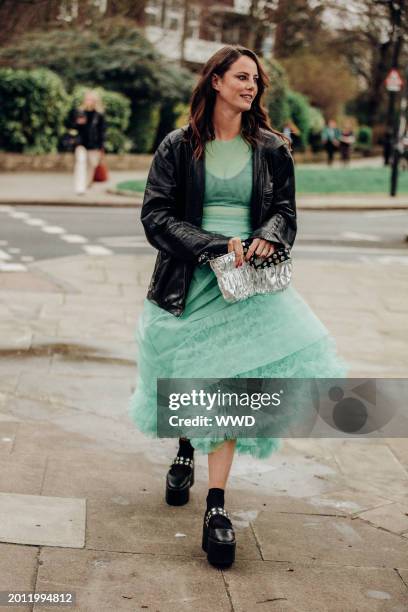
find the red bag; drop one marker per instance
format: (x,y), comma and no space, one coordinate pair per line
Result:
(101,173)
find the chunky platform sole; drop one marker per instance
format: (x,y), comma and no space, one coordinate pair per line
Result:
(218,553)
(180,496)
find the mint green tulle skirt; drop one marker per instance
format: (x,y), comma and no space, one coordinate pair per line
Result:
(266,336)
(276,335)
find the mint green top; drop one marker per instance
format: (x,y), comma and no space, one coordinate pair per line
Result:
(228,187)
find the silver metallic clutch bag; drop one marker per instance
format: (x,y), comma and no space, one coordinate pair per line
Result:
(256,276)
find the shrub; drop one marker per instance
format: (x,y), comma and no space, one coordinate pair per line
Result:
(145,125)
(276,99)
(33,105)
(115,55)
(364,138)
(299,113)
(317,122)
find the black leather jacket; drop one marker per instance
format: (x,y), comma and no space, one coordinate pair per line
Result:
(173,208)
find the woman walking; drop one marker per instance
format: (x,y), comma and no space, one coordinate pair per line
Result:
(90,124)
(347,139)
(226,177)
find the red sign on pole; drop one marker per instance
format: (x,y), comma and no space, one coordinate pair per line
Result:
(393,81)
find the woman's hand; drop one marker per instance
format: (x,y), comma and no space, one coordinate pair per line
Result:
(235,244)
(261,248)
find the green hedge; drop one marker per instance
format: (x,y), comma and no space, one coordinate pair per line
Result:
(144,125)
(276,95)
(364,138)
(115,55)
(299,112)
(33,105)
(117,114)
(317,122)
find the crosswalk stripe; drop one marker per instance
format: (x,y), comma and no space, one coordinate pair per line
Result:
(53,229)
(96,249)
(34,222)
(4,255)
(18,214)
(357,236)
(12,267)
(74,238)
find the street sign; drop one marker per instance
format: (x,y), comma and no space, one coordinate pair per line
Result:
(393,81)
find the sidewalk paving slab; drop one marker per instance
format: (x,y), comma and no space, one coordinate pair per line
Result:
(294,588)
(42,520)
(106,581)
(18,569)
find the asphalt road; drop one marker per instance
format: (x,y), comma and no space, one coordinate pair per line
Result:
(43,232)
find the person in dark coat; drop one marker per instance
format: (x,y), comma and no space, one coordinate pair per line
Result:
(89,123)
(330,139)
(347,139)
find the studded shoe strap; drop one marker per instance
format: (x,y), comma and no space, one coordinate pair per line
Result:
(183,461)
(213,511)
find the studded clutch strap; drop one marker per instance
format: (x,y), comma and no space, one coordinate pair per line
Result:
(256,276)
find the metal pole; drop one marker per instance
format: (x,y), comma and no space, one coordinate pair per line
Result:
(396,8)
(401,127)
(395,123)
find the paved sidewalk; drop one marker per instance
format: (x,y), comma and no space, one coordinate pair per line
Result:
(37,188)
(322,525)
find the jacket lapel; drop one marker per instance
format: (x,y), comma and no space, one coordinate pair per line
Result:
(194,212)
(257,186)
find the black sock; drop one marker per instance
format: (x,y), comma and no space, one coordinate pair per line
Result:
(185,450)
(215,499)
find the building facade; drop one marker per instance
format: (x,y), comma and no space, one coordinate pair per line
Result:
(190,31)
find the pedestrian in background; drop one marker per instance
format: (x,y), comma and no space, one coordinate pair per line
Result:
(347,139)
(89,122)
(331,139)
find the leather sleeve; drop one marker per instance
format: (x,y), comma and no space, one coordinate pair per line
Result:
(281,226)
(163,229)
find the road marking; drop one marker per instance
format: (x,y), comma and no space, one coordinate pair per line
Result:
(18,214)
(74,238)
(34,221)
(6,208)
(14,250)
(3,242)
(4,255)
(12,267)
(387,259)
(27,258)
(357,236)
(318,248)
(53,229)
(96,249)
(384,213)
(124,242)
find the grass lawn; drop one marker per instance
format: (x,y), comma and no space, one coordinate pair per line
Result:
(328,180)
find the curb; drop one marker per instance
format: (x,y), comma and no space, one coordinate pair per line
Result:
(126,192)
(138,203)
(82,204)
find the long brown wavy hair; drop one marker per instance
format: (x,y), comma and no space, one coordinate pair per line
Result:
(201,128)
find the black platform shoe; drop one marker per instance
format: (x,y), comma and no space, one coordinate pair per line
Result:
(219,543)
(178,485)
